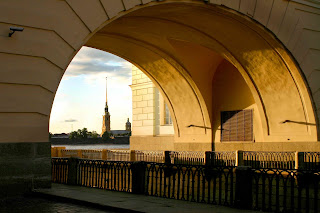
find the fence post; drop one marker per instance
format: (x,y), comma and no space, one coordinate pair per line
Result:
(243,198)
(72,171)
(239,158)
(138,177)
(208,160)
(132,155)
(299,161)
(79,153)
(104,155)
(167,158)
(54,152)
(59,151)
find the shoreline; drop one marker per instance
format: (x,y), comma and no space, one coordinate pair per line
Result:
(90,141)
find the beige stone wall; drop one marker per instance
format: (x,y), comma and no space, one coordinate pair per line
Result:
(191,50)
(143,104)
(148,116)
(284,84)
(230,92)
(296,24)
(147,107)
(179,43)
(152,143)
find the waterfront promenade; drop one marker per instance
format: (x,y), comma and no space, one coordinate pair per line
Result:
(127,202)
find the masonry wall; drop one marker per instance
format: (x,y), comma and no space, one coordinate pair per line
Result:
(33,62)
(24,167)
(143,102)
(147,126)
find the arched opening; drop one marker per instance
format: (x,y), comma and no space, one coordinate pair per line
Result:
(181,52)
(175,46)
(183,46)
(93,81)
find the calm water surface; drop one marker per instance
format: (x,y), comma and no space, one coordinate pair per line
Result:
(96,146)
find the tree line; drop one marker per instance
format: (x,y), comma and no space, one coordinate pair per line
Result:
(82,134)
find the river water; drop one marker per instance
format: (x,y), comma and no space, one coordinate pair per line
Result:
(96,146)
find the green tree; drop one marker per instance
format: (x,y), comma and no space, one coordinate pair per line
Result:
(84,133)
(80,134)
(106,136)
(73,135)
(93,134)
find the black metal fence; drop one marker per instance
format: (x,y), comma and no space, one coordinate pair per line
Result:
(149,156)
(118,155)
(311,160)
(260,189)
(59,172)
(254,159)
(275,160)
(187,157)
(115,175)
(286,190)
(220,158)
(192,183)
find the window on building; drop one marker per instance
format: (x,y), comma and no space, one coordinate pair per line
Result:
(237,125)
(167,116)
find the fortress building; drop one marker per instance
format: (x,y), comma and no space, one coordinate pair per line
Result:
(128,125)
(106,121)
(106,117)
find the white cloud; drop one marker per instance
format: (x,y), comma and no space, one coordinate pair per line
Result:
(70,120)
(90,61)
(81,94)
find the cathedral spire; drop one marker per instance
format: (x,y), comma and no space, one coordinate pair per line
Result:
(106,89)
(106,108)
(106,117)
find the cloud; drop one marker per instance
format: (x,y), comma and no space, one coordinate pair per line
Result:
(90,61)
(80,99)
(70,120)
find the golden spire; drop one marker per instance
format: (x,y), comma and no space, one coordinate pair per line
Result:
(106,108)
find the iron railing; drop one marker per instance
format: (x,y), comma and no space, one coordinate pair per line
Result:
(69,153)
(118,155)
(221,158)
(91,154)
(263,189)
(312,160)
(275,160)
(254,159)
(192,183)
(149,156)
(188,157)
(115,175)
(286,190)
(59,170)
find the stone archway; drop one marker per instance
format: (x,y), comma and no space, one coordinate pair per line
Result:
(82,21)
(263,62)
(33,62)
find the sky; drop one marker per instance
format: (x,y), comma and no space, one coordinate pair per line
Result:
(81,96)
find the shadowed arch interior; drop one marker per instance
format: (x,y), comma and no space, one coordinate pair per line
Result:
(181,50)
(179,44)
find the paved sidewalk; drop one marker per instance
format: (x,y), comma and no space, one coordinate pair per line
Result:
(127,202)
